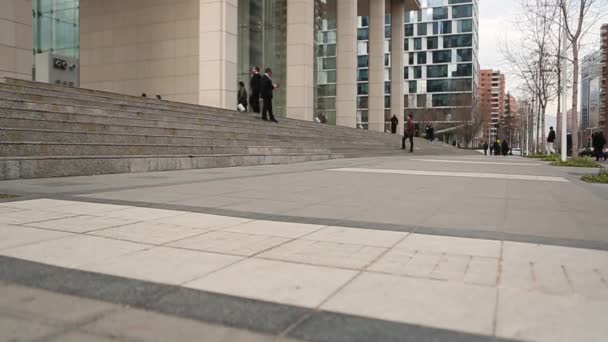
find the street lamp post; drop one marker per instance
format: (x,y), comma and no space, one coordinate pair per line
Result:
(564,118)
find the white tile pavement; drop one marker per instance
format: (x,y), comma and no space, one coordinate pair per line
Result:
(509,289)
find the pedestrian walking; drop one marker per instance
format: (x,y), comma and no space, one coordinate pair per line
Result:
(505,148)
(255,85)
(551,141)
(485,148)
(267,88)
(242,98)
(599,141)
(496,147)
(394,124)
(409,132)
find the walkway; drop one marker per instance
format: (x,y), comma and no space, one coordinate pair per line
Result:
(466,248)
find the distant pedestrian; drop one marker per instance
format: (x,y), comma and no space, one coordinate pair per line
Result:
(485,148)
(496,147)
(408,133)
(255,84)
(505,148)
(266,89)
(599,142)
(551,141)
(321,118)
(394,124)
(144,95)
(158,97)
(427,131)
(432,133)
(242,97)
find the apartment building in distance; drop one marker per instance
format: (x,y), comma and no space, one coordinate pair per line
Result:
(491,101)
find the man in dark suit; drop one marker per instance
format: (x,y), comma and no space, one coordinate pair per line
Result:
(267,87)
(255,83)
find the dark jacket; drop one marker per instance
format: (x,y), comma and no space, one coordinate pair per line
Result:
(266,87)
(551,137)
(255,85)
(410,128)
(394,123)
(243,96)
(599,141)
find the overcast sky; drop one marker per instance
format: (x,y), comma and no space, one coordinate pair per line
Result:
(497,22)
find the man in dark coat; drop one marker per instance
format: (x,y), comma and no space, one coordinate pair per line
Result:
(599,141)
(409,132)
(255,83)
(485,148)
(394,123)
(505,148)
(266,89)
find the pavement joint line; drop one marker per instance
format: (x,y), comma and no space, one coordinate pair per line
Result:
(153,293)
(498,286)
(475,162)
(501,176)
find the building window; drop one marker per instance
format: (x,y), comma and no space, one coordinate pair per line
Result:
(421,57)
(412,87)
(387,31)
(463,26)
(406,44)
(440,13)
(329,63)
(442,56)
(406,73)
(362,61)
(362,102)
(409,30)
(327,90)
(362,75)
(463,70)
(417,72)
(422,29)
(464,11)
(464,55)
(362,34)
(387,102)
(362,89)
(459,1)
(421,101)
(417,43)
(458,40)
(435,71)
(432,43)
(410,58)
(440,100)
(446,27)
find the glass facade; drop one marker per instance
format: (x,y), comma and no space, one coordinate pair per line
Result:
(591,75)
(262,41)
(56,27)
(443,64)
(325,59)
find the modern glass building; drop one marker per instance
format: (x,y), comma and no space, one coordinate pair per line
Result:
(591,76)
(441,69)
(56,27)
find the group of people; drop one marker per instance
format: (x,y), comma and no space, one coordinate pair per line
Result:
(497,148)
(262,87)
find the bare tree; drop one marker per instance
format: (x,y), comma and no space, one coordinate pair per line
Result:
(578,17)
(534,61)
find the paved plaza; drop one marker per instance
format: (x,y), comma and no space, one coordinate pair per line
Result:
(412,248)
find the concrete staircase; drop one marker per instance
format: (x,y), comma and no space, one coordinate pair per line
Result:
(52,131)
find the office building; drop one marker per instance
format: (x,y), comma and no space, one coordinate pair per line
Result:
(196,52)
(591,78)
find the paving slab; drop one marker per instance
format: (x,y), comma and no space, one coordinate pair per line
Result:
(286,283)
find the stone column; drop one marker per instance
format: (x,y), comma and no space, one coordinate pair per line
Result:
(218,30)
(397,83)
(346,68)
(16,57)
(300,59)
(376,65)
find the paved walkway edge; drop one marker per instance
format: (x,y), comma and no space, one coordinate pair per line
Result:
(469,233)
(237,312)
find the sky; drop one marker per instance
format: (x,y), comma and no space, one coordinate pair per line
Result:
(498,22)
